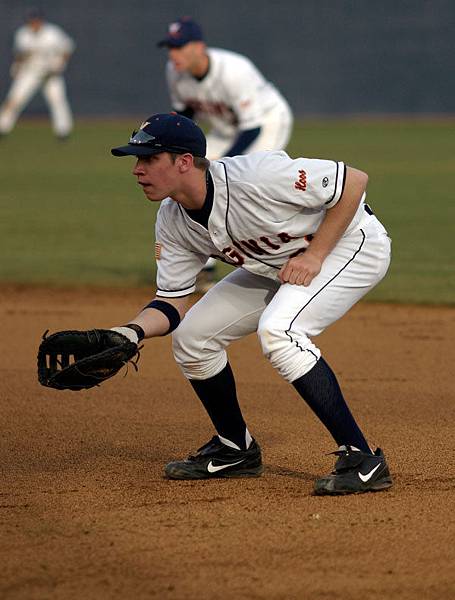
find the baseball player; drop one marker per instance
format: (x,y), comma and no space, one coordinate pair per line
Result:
(307,247)
(244,111)
(41,53)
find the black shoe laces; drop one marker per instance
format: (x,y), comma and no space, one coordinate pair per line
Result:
(215,442)
(347,459)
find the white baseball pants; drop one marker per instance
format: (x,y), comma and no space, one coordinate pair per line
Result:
(24,86)
(286,317)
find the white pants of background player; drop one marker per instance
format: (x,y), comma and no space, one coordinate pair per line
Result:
(275,134)
(276,129)
(24,86)
(286,317)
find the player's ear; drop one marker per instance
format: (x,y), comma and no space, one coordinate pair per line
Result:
(200,47)
(185,162)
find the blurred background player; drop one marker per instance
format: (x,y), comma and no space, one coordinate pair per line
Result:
(41,53)
(244,111)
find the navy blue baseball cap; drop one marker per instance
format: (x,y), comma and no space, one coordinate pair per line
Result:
(181,32)
(34,14)
(165,132)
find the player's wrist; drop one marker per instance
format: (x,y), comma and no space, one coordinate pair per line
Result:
(317,250)
(133,332)
(137,329)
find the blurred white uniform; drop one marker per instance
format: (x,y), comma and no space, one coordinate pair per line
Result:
(41,58)
(233,97)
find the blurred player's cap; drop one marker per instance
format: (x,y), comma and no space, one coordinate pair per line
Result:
(34,14)
(165,132)
(181,32)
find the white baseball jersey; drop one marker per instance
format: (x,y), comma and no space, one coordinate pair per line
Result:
(266,207)
(233,96)
(43,49)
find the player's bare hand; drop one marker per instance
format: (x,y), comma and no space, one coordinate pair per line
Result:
(300,270)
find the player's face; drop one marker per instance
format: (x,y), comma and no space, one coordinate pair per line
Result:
(187,58)
(35,24)
(157,174)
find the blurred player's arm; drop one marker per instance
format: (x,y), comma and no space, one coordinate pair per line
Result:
(64,51)
(243,141)
(245,102)
(177,102)
(19,60)
(302,269)
(62,61)
(21,53)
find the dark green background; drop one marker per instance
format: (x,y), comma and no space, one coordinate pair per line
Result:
(73,214)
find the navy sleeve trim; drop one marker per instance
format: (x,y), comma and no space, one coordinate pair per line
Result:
(336,194)
(344,180)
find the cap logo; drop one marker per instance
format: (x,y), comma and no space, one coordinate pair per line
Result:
(174,28)
(144,124)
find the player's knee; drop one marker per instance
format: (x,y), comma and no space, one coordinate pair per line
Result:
(9,105)
(290,353)
(270,336)
(195,357)
(185,340)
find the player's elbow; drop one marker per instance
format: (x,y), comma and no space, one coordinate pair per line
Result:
(364,178)
(355,185)
(357,178)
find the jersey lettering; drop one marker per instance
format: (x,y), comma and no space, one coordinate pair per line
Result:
(234,257)
(254,247)
(210,108)
(301,183)
(286,238)
(268,243)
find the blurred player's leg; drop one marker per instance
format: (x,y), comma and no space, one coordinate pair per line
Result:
(22,89)
(54,91)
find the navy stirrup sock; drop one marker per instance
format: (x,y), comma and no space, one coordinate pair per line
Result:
(219,397)
(320,390)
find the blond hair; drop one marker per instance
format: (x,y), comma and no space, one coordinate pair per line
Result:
(199,162)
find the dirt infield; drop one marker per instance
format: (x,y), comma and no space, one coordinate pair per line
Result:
(85,512)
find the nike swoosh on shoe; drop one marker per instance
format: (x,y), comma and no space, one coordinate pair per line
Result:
(369,475)
(211,468)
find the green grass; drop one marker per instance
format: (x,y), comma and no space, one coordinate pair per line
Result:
(72,214)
